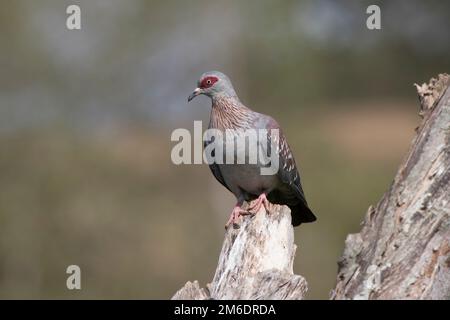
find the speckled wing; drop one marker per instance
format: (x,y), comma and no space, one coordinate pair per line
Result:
(290,192)
(287,171)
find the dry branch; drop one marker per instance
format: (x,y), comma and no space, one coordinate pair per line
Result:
(403,249)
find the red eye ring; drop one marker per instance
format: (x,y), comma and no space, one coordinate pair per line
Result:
(208,82)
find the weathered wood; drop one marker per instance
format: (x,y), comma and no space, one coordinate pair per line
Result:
(256,261)
(191,291)
(403,249)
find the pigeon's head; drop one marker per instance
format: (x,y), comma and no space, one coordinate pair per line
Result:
(213,84)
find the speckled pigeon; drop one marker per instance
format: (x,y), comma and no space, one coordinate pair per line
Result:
(245,181)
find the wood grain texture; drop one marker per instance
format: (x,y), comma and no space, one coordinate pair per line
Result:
(403,249)
(256,261)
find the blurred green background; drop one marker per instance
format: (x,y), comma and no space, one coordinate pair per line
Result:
(86,117)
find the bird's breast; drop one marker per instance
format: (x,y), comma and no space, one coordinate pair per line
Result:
(248,178)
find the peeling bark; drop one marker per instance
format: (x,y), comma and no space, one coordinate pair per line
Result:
(256,261)
(403,249)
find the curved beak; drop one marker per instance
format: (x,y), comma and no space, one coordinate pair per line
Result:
(196,92)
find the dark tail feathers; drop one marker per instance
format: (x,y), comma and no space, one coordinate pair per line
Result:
(301,214)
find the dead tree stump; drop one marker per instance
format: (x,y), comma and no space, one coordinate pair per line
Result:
(403,249)
(256,261)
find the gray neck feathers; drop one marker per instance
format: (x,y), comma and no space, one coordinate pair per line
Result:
(229,113)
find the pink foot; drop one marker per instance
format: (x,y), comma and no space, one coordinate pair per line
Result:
(262,200)
(235,214)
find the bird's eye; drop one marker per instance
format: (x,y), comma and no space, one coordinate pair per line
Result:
(208,81)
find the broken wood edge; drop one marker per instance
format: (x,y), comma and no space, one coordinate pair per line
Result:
(256,262)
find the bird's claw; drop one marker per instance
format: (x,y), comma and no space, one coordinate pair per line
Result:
(252,210)
(261,201)
(234,217)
